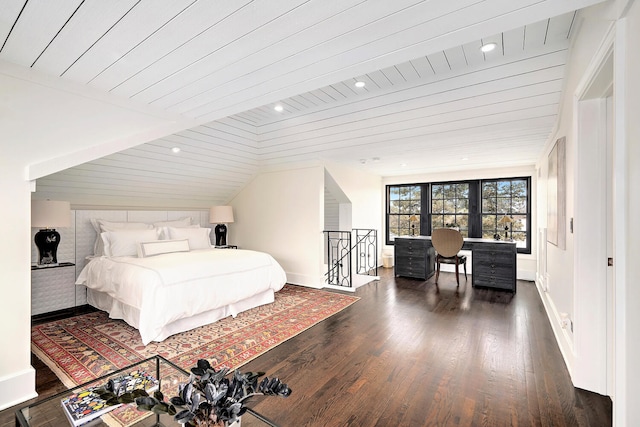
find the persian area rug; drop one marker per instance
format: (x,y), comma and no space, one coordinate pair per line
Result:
(82,348)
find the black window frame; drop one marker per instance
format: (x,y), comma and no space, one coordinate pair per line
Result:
(468,214)
(475,207)
(510,211)
(418,211)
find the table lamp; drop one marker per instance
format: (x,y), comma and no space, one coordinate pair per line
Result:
(46,215)
(505,220)
(221,215)
(413,219)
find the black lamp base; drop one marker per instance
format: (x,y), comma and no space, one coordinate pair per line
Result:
(221,235)
(47,241)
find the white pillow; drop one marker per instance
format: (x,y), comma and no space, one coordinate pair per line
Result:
(198,237)
(158,247)
(164,231)
(116,226)
(178,223)
(125,242)
(100,226)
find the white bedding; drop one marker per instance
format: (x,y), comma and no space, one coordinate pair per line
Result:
(151,293)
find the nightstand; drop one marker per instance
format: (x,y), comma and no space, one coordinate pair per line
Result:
(227,247)
(53,287)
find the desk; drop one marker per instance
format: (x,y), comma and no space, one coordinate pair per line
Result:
(493,261)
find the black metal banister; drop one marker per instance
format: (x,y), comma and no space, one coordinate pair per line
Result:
(339,250)
(367,251)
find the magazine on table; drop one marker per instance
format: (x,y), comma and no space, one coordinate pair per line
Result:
(85,406)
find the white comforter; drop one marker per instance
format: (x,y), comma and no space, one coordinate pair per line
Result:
(169,287)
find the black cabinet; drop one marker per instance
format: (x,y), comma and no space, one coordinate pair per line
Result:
(493,262)
(414,257)
(494,266)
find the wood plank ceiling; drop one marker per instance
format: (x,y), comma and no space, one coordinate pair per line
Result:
(432,101)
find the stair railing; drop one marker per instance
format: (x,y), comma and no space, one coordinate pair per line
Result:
(366,251)
(339,250)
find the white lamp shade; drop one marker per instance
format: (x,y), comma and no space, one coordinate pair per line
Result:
(50,214)
(221,214)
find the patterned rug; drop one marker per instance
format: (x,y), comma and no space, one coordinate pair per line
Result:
(82,348)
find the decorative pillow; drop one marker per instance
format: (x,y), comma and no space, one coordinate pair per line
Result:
(100,226)
(198,237)
(125,242)
(158,247)
(178,223)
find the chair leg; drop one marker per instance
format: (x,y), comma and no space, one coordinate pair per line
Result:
(465,269)
(437,271)
(457,277)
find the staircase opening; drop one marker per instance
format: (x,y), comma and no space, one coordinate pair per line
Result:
(350,255)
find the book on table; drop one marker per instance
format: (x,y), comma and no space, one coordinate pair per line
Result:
(87,405)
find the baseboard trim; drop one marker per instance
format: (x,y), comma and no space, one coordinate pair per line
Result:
(563,341)
(17,388)
(339,288)
(304,280)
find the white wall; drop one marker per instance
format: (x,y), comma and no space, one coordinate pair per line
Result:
(17,377)
(626,408)
(48,124)
(363,190)
(282,213)
(569,291)
(331,211)
(526,262)
(585,360)
(560,262)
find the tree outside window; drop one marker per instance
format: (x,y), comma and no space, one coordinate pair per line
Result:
(404,210)
(475,207)
(450,206)
(505,197)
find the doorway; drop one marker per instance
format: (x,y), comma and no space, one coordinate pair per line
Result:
(593,230)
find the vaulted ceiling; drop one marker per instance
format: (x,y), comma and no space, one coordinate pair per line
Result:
(432,100)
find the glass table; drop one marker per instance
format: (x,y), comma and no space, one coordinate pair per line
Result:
(49,412)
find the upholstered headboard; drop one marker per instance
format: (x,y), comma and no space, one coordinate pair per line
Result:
(76,241)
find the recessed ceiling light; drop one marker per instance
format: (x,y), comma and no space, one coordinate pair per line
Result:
(279,108)
(176,149)
(360,83)
(488,47)
(464,159)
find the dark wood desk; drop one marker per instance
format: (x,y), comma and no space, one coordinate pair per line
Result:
(494,262)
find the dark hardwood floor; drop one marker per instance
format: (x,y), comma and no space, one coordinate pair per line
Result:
(413,354)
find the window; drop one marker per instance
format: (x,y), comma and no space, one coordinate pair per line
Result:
(403,210)
(450,206)
(476,207)
(506,200)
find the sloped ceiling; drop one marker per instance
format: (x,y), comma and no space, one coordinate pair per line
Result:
(432,101)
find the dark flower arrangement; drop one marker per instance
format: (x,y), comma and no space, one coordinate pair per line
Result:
(210,398)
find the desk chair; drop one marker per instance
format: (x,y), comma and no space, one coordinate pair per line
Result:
(447,243)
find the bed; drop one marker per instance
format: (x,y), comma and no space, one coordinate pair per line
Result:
(165,286)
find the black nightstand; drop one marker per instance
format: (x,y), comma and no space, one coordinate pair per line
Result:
(227,247)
